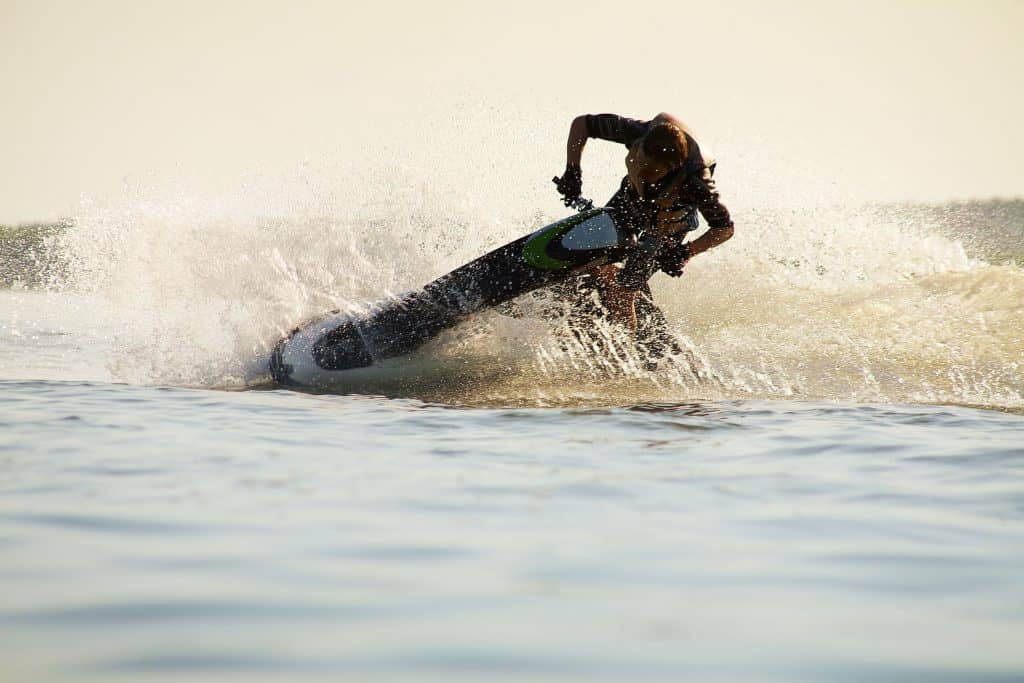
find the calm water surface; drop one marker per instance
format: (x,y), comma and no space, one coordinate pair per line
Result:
(164,533)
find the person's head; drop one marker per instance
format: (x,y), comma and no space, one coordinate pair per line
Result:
(662,150)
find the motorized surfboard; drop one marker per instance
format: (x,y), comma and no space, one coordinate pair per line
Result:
(336,348)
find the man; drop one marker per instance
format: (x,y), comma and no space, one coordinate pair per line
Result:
(667,181)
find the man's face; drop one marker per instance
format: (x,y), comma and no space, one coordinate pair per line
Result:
(643,170)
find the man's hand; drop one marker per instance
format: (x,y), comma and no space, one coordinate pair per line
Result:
(570,184)
(673,260)
(684,259)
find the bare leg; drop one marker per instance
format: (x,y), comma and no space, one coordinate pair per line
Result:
(620,302)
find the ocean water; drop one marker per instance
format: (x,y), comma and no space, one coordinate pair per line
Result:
(827,484)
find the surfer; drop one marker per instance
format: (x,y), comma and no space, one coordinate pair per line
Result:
(644,226)
(668,180)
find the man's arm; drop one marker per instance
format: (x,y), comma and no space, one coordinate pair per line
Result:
(720,225)
(570,185)
(604,126)
(709,240)
(577,140)
(610,127)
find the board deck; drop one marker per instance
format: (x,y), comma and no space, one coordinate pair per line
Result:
(322,351)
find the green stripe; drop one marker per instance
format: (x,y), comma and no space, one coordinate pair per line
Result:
(535,250)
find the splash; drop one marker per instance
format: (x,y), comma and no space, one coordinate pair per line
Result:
(825,302)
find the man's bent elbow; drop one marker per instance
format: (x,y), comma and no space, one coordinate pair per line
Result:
(724,234)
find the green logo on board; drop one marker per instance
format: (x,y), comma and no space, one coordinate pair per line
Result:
(535,251)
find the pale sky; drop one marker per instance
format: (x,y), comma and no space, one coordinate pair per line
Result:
(901,99)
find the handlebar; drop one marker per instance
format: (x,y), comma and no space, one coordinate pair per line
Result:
(580,203)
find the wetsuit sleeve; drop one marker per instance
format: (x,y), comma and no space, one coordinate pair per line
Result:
(615,128)
(702,193)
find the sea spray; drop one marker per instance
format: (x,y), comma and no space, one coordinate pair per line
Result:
(833,301)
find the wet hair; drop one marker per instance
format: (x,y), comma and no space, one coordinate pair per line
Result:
(666,143)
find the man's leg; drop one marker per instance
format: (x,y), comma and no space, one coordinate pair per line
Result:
(653,336)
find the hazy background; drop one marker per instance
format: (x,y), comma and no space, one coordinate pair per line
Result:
(888,101)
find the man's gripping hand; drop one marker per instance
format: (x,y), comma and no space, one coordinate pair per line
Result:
(570,185)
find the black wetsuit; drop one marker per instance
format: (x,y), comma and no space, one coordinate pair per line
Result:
(639,216)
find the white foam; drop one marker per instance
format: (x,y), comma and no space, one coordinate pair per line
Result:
(828,301)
